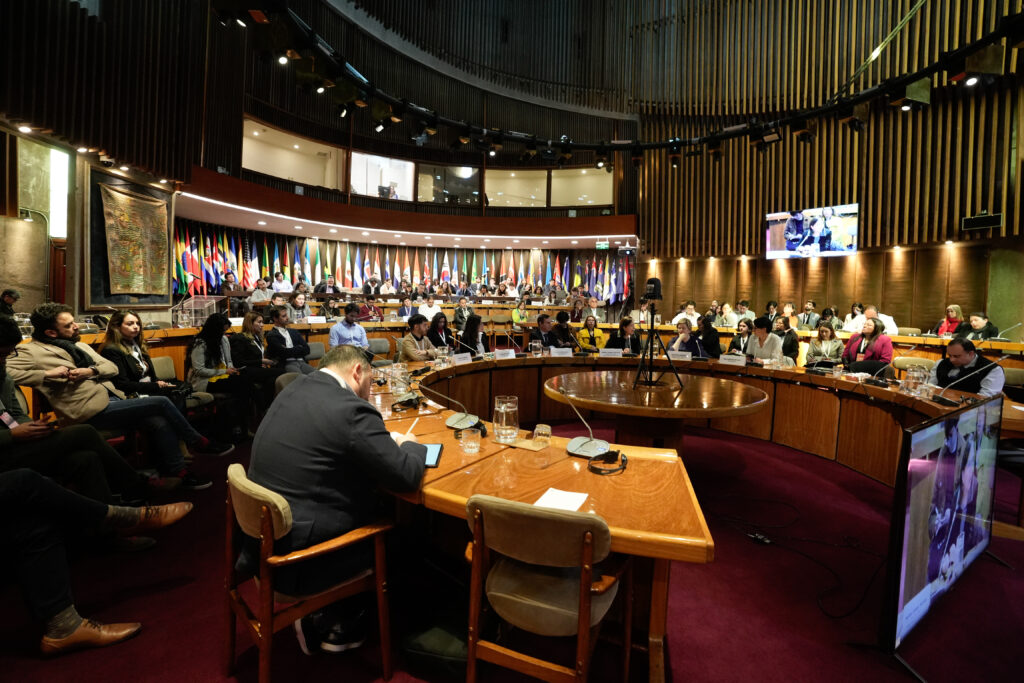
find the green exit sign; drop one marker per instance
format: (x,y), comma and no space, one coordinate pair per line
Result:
(602,245)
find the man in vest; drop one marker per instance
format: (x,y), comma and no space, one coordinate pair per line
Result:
(965,370)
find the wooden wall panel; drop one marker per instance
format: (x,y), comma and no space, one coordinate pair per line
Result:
(815,284)
(931,275)
(897,297)
(842,284)
(968,279)
(870,277)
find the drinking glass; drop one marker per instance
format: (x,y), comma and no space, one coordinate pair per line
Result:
(536,349)
(442,357)
(837,371)
(506,419)
(399,377)
(470,440)
(542,435)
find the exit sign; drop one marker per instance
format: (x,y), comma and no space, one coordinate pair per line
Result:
(602,245)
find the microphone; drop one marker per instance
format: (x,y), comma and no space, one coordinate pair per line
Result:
(581,446)
(998,337)
(874,381)
(576,340)
(940,397)
(463,420)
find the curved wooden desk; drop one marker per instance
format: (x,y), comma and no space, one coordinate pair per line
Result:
(655,410)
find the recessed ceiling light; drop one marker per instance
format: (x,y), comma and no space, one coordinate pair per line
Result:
(516,241)
(365,233)
(618,241)
(428,237)
(298,227)
(949,243)
(256,133)
(282,60)
(344,239)
(398,236)
(512,175)
(545,242)
(401,244)
(82,150)
(334,230)
(373,241)
(458,239)
(320,90)
(24,129)
(487,240)
(261,222)
(575,241)
(295,146)
(897,248)
(124,168)
(163,181)
(584,171)
(508,247)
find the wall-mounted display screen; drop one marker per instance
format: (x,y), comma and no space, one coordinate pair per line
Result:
(805,233)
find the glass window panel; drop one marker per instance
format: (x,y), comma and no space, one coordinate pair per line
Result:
(581,187)
(449,184)
(382,176)
(517,188)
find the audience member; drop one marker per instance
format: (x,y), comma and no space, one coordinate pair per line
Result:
(462,313)
(743,311)
(209,368)
(824,348)
(763,345)
(520,315)
(438,332)
(808,317)
(261,293)
(686,340)
(977,326)
(856,310)
(591,336)
(371,286)
(124,346)
(739,341)
(473,339)
(37,519)
(626,339)
(75,380)
(8,298)
(714,309)
(688,311)
(871,313)
(429,309)
(280,284)
(564,338)
(727,317)
(594,310)
(370,311)
(789,312)
(948,325)
(871,343)
(387,289)
(828,317)
(348,331)
(415,346)
(298,309)
(709,338)
(771,310)
(968,370)
(576,314)
(542,332)
(248,352)
(790,341)
(286,347)
(327,286)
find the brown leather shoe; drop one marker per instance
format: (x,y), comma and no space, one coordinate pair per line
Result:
(89,634)
(158,516)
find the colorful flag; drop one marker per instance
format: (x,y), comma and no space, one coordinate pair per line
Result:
(522,275)
(267,275)
(547,273)
(277,261)
(367,268)
(376,263)
(426,266)
(473,276)
(511,266)
(483,272)
(348,266)
(611,294)
(446,273)
(339,269)
(357,271)
(577,279)
(625,279)
(387,265)
(434,269)
(406,272)
(318,269)
(416,267)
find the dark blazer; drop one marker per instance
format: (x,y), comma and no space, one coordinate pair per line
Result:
(619,342)
(129,376)
(461,316)
(790,344)
(712,344)
(328,452)
(736,344)
(693,346)
(276,350)
(370,289)
(245,352)
(405,311)
(546,340)
(462,347)
(436,340)
(964,330)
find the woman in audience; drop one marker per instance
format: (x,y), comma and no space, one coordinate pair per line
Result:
(763,345)
(709,337)
(503,290)
(643,313)
(591,336)
(561,332)
(247,354)
(738,344)
(209,368)
(828,317)
(856,309)
(826,348)
(871,343)
(333,309)
(686,340)
(790,342)
(978,326)
(726,317)
(444,291)
(124,346)
(439,333)
(526,291)
(789,311)
(520,315)
(473,339)
(297,307)
(576,314)
(954,318)
(626,339)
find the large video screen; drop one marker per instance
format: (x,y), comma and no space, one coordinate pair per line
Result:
(943,519)
(806,233)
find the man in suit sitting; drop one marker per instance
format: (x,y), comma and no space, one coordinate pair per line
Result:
(462,313)
(542,332)
(76,381)
(285,346)
(331,472)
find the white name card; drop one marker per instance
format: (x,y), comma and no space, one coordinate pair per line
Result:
(565,352)
(505,354)
(236,322)
(394,301)
(732,359)
(462,358)
(316,319)
(610,353)
(486,302)
(680,355)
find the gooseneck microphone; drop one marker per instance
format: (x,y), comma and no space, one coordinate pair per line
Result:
(463,420)
(582,446)
(999,337)
(940,397)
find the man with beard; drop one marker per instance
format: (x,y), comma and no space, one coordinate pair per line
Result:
(75,380)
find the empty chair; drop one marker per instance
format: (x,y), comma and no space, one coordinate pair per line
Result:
(163,368)
(545,580)
(266,516)
(380,348)
(903,363)
(1014,386)
(316,351)
(908,331)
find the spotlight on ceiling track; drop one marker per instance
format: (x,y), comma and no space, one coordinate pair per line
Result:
(913,95)
(855,117)
(804,130)
(982,66)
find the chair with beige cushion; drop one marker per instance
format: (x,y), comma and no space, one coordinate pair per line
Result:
(908,331)
(284,380)
(545,579)
(163,368)
(266,516)
(903,363)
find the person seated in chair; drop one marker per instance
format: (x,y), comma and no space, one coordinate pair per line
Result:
(543,333)
(626,338)
(370,311)
(298,309)
(686,340)
(709,339)
(327,286)
(332,483)
(871,343)
(826,349)
(348,331)
(591,337)
(287,347)
(439,333)
(966,370)
(976,327)
(415,346)
(473,339)
(790,342)
(429,309)
(248,353)
(406,309)
(763,345)
(563,334)
(124,346)
(209,368)
(462,313)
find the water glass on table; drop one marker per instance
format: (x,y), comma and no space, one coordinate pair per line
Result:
(470,440)
(542,435)
(536,349)
(506,419)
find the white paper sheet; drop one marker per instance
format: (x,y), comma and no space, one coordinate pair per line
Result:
(561,500)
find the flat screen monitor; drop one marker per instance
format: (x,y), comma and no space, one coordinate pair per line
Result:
(806,233)
(942,512)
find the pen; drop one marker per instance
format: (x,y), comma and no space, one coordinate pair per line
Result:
(411,427)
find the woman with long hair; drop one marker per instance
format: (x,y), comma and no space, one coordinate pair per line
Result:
(826,348)
(298,309)
(473,339)
(708,336)
(124,346)
(871,343)
(738,344)
(248,350)
(954,318)
(439,333)
(790,342)
(209,368)
(626,339)
(576,314)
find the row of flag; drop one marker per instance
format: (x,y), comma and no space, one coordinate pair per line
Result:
(205,254)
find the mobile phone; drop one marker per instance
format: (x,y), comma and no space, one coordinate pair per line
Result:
(433,453)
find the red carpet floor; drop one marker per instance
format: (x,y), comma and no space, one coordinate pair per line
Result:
(758,613)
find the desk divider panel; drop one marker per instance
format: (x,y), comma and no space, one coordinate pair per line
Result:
(870,438)
(758,425)
(817,425)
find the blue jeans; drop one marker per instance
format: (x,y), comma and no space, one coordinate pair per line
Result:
(162,422)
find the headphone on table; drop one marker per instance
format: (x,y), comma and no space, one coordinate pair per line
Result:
(609,458)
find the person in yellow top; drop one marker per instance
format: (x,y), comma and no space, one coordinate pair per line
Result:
(591,337)
(520,314)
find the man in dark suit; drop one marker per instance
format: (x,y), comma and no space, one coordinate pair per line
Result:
(543,333)
(285,346)
(462,313)
(330,471)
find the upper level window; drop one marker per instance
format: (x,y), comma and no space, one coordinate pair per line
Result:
(283,155)
(382,177)
(449,185)
(517,188)
(581,187)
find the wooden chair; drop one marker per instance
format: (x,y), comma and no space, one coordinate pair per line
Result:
(908,331)
(266,516)
(545,582)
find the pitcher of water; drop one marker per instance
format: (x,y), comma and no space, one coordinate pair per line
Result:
(506,419)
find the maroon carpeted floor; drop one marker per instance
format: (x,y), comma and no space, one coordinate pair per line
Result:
(753,614)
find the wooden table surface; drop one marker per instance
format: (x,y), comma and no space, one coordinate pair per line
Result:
(612,391)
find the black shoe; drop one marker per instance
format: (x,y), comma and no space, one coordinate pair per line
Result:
(307,634)
(193,482)
(213,448)
(347,636)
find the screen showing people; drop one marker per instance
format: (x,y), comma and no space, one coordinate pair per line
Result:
(825,231)
(951,473)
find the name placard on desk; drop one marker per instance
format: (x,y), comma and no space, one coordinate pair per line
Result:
(505,354)
(394,301)
(732,359)
(564,352)
(236,322)
(680,355)
(486,302)
(316,319)
(610,353)
(462,358)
